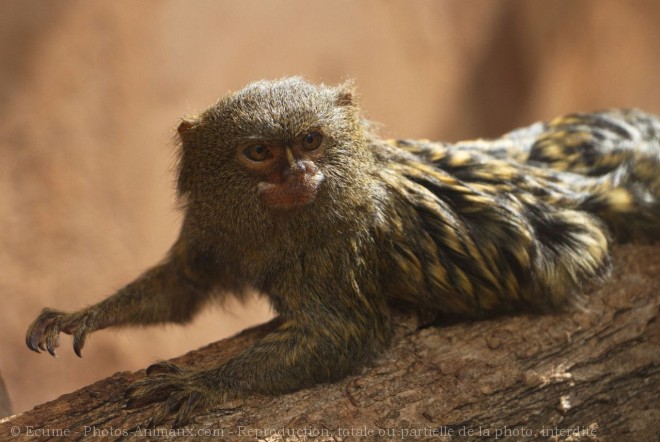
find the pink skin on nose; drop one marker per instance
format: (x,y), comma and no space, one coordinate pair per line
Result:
(291,186)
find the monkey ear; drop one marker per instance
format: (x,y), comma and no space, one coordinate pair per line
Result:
(186,124)
(345,94)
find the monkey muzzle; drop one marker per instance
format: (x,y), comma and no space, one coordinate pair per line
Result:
(294,187)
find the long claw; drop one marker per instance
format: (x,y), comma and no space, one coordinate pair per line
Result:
(31,341)
(186,409)
(52,351)
(157,418)
(181,420)
(79,341)
(52,340)
(164,367)
(173,402)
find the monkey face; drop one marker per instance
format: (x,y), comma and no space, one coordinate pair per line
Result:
(286,144)
(289,176)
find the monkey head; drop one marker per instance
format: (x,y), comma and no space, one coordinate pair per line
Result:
(284,143)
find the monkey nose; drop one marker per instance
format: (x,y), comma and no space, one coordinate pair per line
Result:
(293,166)
(295,169)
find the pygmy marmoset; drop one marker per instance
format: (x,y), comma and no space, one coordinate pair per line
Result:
(287,190)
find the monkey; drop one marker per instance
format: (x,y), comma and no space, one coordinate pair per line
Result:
(288,190)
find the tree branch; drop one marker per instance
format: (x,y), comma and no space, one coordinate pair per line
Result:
(596,373)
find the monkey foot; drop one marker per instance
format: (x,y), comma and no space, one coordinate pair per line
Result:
(176,391)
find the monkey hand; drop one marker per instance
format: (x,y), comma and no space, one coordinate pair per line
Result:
(44,333)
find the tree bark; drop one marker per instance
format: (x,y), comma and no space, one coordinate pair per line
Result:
(581,376)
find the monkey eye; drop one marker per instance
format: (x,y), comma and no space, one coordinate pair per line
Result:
(257,152)
(311,141)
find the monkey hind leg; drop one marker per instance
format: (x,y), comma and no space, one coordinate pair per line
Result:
(571,255)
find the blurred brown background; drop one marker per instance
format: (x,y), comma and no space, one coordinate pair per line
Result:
(90,92)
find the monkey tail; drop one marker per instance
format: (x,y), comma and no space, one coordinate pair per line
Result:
(618,151)
(628,198)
